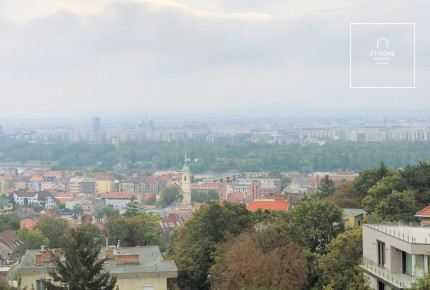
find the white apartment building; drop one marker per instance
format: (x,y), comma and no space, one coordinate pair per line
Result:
(395,256)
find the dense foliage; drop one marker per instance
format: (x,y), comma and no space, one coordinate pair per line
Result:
(79,268)
(221,157)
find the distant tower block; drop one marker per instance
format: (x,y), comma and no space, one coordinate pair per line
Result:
(95,124)
(186,181)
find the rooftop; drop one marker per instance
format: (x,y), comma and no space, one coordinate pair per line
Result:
(412,235)
(151,263)
(353,211)
(268,204)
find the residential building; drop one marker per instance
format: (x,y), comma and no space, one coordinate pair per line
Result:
(268,205)
(104,182)
(135,268)
(118,200)
(29,197)
(75,185)
(88,185)
(6,182)
(355,216)
(35,183)
(395,256)
(424,215)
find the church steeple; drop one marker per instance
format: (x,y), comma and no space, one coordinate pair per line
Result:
(186,181)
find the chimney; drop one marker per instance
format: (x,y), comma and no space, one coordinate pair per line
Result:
(38,259)
(127,259)
(109,252)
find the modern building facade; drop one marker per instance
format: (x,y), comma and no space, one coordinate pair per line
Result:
(395,256)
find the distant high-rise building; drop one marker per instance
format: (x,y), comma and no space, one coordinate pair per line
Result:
(95,124)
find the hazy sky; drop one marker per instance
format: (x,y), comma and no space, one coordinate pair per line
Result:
(66,58)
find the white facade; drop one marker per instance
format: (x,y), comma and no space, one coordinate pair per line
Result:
(395,256)
(26,198)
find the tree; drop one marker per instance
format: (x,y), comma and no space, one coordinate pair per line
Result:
(77,209)
(27,239)
(107,211)
(194,244)
(343,255)
(385,201)
(368,178)
(326,187)
(242,264)
(140,230)
(132,208)
(8,222)
(344,196)
(79,268)
(55,229)
(318,221)
(274,174)
(422,283)
(169,195)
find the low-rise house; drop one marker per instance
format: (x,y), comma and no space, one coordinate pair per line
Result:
(424,215)
(136,268)
(268,205)
(355,216)
(395,256)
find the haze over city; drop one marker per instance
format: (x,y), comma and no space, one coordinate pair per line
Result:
(201,58)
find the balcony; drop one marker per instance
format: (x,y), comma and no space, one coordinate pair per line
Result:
(400,281)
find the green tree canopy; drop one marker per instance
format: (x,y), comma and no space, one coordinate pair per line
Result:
(318,221)
(79,268)
(27,239)
(326,187)
(55,229)
(194,244)
(132,208)
(169,195)
(343,255)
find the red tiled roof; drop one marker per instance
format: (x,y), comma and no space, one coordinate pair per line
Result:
(180,211)
(235,196)
(268,204)
(170,222)
(52,173)
(36,178)
(27,223)
(7,177)
(119,195)
(424,212)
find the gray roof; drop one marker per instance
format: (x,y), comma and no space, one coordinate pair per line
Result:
(353,211)
(301,180)
(151,264)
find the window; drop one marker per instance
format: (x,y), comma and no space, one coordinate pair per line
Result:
(148,287)
(381,253)
(381,286)
(406,263)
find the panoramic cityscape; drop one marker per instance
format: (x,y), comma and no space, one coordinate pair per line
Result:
(224,145)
